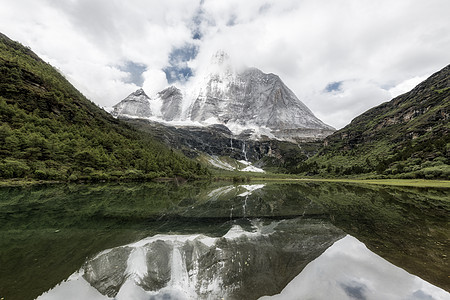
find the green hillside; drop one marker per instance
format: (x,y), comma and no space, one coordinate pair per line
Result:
(49,130)
(407,137)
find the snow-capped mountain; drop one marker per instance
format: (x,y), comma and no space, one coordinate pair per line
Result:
(172,101)
(239,99)
(197,266)
(136,104)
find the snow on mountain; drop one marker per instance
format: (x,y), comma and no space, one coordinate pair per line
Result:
(137,104)
(172,101)
(245,99)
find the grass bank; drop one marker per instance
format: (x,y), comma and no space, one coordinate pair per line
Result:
(241,177)
(390,182)
(274,177)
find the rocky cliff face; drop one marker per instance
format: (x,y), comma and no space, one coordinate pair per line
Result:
(239,99)
(137,104)
(254,99)
(218,140)
(172,101)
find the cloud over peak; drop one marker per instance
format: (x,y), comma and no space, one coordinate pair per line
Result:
(340,58)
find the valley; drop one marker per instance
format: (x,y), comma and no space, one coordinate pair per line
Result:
(184,150)
(239,121)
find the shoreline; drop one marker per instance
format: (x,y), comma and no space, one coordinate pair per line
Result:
(421,183)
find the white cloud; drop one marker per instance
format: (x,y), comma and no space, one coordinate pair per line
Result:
(354,98)
(154,81)
(377,48)
(406,85)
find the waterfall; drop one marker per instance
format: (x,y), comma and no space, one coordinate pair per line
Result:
(245,204)
(244,151)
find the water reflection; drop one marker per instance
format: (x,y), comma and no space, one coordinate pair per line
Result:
(46,234)
(200,267)
(242,264)
(348,270)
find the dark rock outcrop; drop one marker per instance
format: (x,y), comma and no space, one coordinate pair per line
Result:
(218,140)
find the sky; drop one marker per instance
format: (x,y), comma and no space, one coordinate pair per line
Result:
(339,57)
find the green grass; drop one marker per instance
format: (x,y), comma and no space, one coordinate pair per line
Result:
(389,182)
(396,139)
(273,177)
(237,176)
(440,91)
(23,182)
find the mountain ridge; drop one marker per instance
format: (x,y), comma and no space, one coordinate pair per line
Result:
(239,99)
(407,137)
(129,105)
(50,131)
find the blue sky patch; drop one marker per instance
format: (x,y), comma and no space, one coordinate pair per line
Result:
(180,74)
(135,71)
(196,24)
(334,87)
(178,69)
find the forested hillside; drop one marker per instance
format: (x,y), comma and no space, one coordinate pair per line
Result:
(49,130)
(407,137)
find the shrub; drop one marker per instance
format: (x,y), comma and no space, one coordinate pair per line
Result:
(10,168)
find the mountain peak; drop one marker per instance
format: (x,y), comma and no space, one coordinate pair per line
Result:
(220,57)
(247,99)
(139,92)
(220,64)
(169,91)
(136,104)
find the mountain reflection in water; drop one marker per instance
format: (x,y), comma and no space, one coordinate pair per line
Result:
(242,264)
(210,240)
(348,270)
(245,265)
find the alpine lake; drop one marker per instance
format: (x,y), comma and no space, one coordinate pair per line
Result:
(308,240)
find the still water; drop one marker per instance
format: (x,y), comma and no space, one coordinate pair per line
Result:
(214,241)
